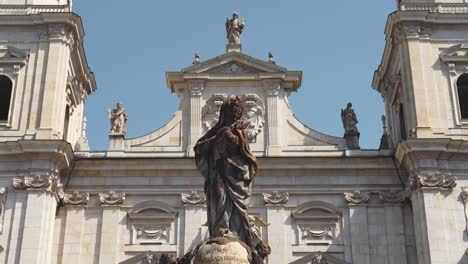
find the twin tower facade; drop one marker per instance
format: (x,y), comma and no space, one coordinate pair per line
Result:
(319,200)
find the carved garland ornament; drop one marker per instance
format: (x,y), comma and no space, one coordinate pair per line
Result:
(393,196)
(153,233)
(357,197)
(310,233)
(76,198)
(431,180)
(192,198)
(112,198)
(276,198)
(254,112)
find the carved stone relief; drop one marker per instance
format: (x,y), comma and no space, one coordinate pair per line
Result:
(193,198)
(434,179)
(357,197)
(254,112)
(314,233)
(393,196)
(112,198)
(76,198)
(276,198)
(155,234)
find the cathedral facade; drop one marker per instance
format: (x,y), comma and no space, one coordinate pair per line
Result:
(317,199)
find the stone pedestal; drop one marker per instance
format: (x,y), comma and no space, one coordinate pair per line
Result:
(352,140)
(233,47)
(223,250)
(116,142)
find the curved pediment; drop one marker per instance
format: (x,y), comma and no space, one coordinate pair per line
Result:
(317,210)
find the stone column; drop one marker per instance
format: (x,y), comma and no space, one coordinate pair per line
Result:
(357,203)
(273,88)
(195,89)
(39,222)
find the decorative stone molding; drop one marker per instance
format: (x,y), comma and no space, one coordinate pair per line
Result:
(154,234)
(196,88)
(464,196)
(276,198)
(112,198)
(76,198)
(153,222)
(193,198)
(51,184)
(357,197)
(311,233)
(430,180)
(32,9)
(393,196)
(272,87)
(411,31)
(450,8)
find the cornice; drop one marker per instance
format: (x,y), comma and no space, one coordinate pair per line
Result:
(60,152)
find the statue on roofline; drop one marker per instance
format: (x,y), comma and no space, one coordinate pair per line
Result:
(234,29)
(349,119)
(118,120)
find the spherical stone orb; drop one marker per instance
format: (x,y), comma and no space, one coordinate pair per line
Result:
(223,250)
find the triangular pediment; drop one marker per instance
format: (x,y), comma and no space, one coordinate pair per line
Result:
(234,63)
(319,258)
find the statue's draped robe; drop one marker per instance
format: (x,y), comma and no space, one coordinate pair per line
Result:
(234,31)
(229,169)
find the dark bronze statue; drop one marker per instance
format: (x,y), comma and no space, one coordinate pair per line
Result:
(224,158)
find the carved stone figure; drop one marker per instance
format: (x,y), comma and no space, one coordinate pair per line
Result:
(349,119)
(234,29)
(118,119)
(224,158)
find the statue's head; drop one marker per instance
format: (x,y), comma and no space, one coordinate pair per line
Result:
(235,15)
(349,105)
(119,105)
(232,109)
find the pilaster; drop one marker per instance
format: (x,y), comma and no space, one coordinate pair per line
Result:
(73,247)
(357,203)
(277,236)
(430,185)
(273,89)
(195,89)
(61,41)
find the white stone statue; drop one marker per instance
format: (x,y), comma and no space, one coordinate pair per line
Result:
(234,29)
(349,119)
(118,120)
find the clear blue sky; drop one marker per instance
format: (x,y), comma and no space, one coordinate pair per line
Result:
(337,44)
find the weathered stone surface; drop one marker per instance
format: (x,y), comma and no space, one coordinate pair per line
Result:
(223,251)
